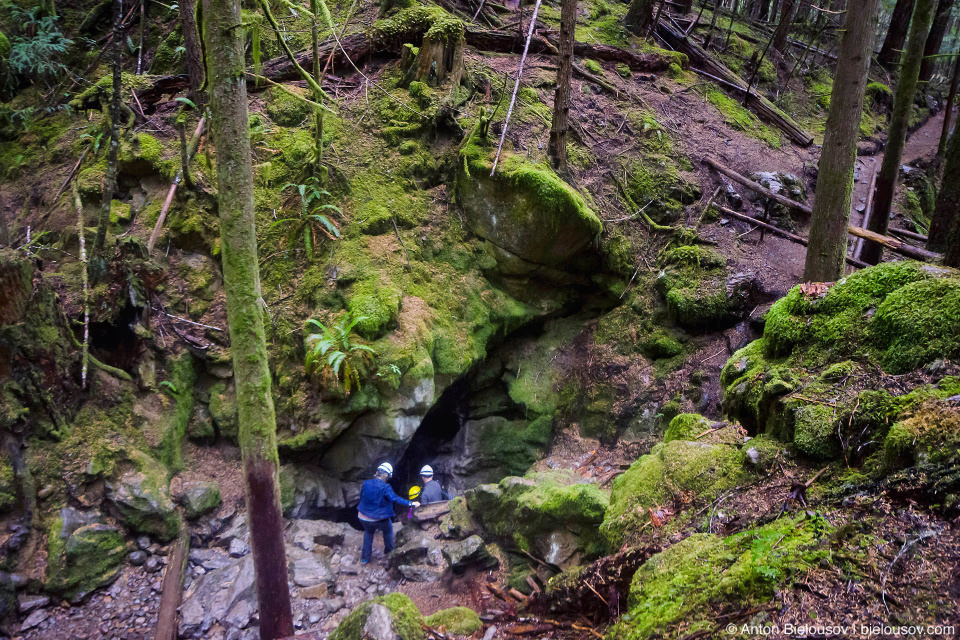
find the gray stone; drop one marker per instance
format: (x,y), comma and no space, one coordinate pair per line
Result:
(306,534)
(34,619)
(753,456)
(143,542)
(73,519)
(379,624)
(137,558)
(145,505)
(240,614)
(238,548)
(27,603)
(153,565)
(213,596)
(200,498)
(314,617)
(308,569)
(413,551)
(419,573)
(332,605)
(469,552)
(209,559)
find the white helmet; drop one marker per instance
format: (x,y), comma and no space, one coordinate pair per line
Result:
(386,468)
(427,470)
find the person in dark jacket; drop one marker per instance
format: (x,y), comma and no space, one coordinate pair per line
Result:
(432,491)
(376,510)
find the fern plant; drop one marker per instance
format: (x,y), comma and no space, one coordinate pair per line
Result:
(38,53)
(336,352)
(310,220)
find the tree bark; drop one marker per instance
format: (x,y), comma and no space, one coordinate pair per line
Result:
(561,97)
(110,179)
(231,138)
(899,118)
(191,42)
(639,16)
(4,229)
(889,56)
(951,256)
(831,204)
(948,110)
(935,39)
(783,28)
(948,199)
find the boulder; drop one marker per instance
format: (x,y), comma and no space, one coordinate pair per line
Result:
(210,559)
(216,594)
(471,552)
(390,617)
(84,559)
(308,569)
(199,498)
(419,573)
(458,523)
(142,501)
(307,534)
(414,550)
(554,514)
(671,468)
(461,621)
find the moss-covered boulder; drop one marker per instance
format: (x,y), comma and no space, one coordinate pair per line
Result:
(680,583)
(141,500)
(285,109)
(525,208)
(393,616)
(461,621)
(696,469)
(794,383)
(554,514)
(82,555)
(199,498)
(698,290)
(223,409)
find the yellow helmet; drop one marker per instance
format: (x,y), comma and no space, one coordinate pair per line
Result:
(414,492)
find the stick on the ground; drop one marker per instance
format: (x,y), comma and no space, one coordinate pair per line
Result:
(194,143)
(707,208)
(513,98)
(897,246)
(907,234)
(172,588)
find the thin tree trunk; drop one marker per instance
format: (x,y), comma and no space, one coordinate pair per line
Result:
(4,229)
(639,16)
(935,39)
(561,97)
(318,115)
(948,199)
(899,118)
(143,34)
(783,28)
(951,256)
(831,204)
(713,24)
(258,442)
(686,6)
(945,132)
(86,286)
(889,56)
(110,180)
(191,42)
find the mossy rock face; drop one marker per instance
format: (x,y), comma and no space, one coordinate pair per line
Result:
(928,434)
(461,621)
(200,498)
(284,109)
(223,409)
(379,618)
(524,208)
(553,514)
(678,583)
(896,317)
(82,558)
(8,486)
(705,470)
(698,291)
(141,499)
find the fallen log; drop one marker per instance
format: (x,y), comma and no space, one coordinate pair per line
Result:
(897,246)
(780,232)
(747,182)
(172,589)
(764,109)
(907,234)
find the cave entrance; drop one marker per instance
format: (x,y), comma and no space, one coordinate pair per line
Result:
(439,426)
(115,342)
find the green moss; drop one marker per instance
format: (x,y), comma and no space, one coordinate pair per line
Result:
(879,94)
(461,621)
(375,305)
(679,583)
(739,118)
(660,344)
(686,426)
(407,621)
(927,434)
(623,70)
(430,20)
(80,561)
(655,479)
(593,67)
(223,410)
(813,432)
(8,485)
(693,283)
(286,110)
(676,72)
(181,385)
(169,54)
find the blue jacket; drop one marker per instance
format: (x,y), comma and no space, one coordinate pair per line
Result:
(377,499)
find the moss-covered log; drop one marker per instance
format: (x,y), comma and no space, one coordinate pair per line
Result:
(231,137)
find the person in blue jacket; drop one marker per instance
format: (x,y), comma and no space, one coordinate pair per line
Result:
(376,510)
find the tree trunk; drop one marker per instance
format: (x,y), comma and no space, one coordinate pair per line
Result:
(783,28)
(110,179)
(686,6)
(241,276)
(951,256)
(713,24)
(899,118)
(948,199)
(948,110)
(831,204)
(935,39)
(191,42)
(561,98)
(4,229)
(639,16)
(889,56)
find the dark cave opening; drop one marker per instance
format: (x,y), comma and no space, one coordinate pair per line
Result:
(115,343)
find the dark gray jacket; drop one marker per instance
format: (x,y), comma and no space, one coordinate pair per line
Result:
(433,492)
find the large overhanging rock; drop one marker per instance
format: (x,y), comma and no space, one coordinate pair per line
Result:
(524,209)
